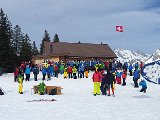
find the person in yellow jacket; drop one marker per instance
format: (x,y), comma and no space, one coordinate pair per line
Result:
(20,86)
(74,71)
(65,73)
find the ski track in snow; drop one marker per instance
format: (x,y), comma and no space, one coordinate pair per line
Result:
(77,101)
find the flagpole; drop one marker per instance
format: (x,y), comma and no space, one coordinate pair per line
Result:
(120,29)
(122,40)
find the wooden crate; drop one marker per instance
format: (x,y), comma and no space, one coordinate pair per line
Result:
(58,89)
(35,88)
(48,89)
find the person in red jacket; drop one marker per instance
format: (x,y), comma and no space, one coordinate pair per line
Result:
(96,80)
(15,74)
(141,66)
(124,75)
(70,72)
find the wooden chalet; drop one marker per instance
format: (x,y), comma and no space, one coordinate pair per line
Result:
(57,51)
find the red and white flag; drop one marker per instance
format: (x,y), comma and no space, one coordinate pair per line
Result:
(119,28)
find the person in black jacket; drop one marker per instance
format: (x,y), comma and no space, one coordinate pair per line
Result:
(111,81)
(104,84)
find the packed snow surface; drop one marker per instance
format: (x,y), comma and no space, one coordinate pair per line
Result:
(77,101)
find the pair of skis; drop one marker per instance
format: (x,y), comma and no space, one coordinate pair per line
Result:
(42,100)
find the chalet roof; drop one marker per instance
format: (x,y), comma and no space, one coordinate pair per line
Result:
(78,49)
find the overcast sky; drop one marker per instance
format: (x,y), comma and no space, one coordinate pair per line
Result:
(89,21)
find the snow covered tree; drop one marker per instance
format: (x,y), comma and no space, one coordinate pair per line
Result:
(56,38)
(34,49)
(45,38)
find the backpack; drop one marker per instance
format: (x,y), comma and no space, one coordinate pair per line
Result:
(1,92)
(53,92)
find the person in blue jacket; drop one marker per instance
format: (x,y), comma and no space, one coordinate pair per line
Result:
(35,72)
(136,76)
(27,72)
(49,72)
(44,72)
(144,85)
(130,69)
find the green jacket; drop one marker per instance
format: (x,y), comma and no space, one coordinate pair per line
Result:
(61,67)
(41,87)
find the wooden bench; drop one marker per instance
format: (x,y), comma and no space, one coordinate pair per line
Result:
(48,89)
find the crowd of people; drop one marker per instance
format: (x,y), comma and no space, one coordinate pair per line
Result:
(106,73)
(105,79)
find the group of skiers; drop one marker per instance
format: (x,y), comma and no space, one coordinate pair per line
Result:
(105,79)
(107,73)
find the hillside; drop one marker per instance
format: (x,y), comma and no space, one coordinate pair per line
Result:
(130,56)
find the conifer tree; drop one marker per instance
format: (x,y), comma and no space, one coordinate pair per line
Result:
(56,38)
(26,50)
(17,39)
(6,50)
(34,49)
(45,38)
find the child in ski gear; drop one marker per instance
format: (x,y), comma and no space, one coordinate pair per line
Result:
(86,71)
(56,70)
(79,72)
(43,73)
(41,88)
(70,71)
(130,69)
(144,85)
(124,75)
(118,76)
(111,82)
(35,72)
(135,78)
(48,70)
(141,66)
(104,84)
(27,72)
(74,70)
(65,72)
(15,74)
(61,68)
(20,81)
(136,66)
(96,80)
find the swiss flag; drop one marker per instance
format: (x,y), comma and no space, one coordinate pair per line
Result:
(119,28)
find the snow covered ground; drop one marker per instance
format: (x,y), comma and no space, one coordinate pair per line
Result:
(77,101)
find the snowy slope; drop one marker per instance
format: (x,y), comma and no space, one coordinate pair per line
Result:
(78,102)
(154,57)
(152,71)
(130,56)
